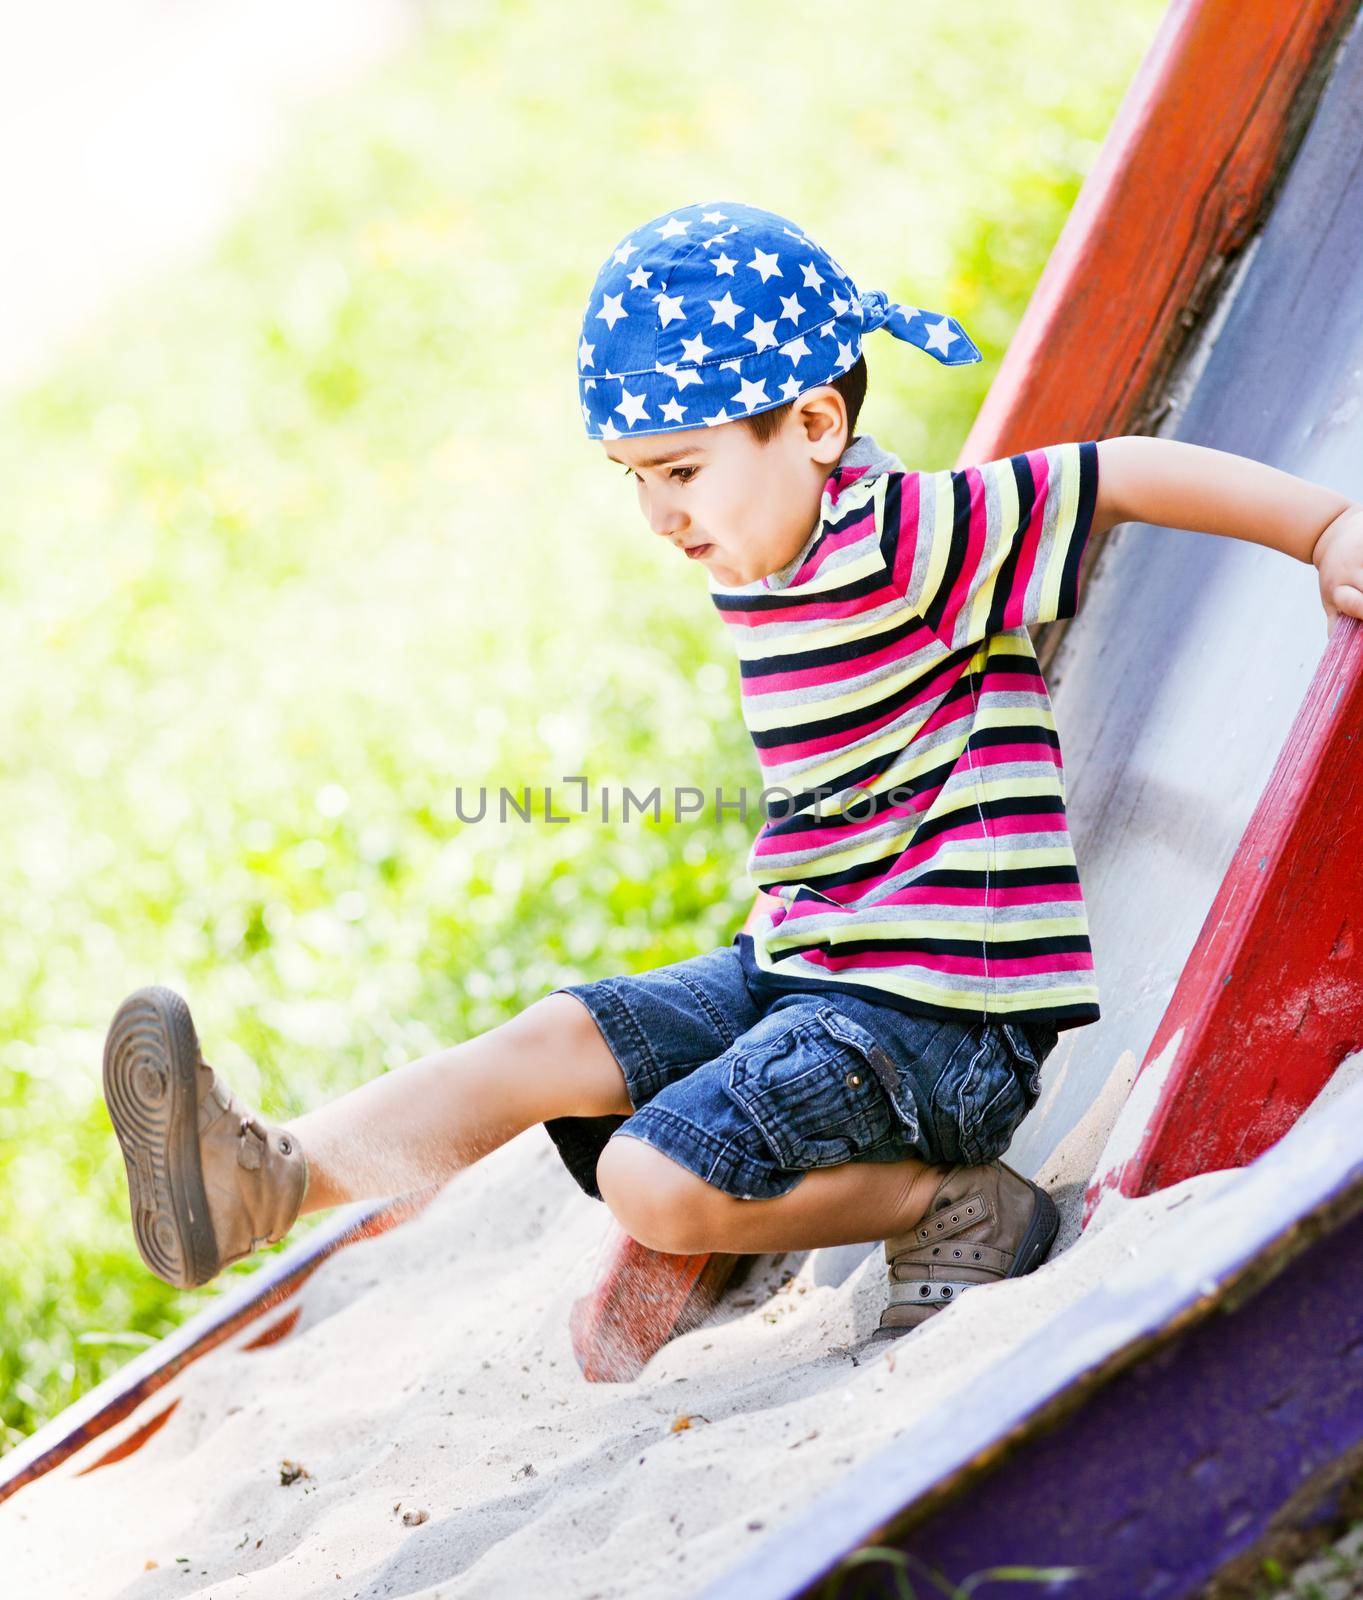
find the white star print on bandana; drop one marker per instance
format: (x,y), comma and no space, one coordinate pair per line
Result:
(716,311)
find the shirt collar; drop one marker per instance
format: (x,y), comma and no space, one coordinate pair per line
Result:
(863,451)
(868,460)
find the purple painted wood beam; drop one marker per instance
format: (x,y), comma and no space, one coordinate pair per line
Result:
(1178,1422)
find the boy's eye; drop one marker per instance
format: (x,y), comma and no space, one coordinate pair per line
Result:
(676,472)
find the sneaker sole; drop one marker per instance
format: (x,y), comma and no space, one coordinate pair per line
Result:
(1036,1242)
(1040,1235)
(151,1058)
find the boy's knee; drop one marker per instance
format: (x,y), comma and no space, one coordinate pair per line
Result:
(655,1199)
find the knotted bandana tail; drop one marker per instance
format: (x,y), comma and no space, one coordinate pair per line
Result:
(939,335)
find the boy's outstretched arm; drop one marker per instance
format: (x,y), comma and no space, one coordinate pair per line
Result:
(1179,485)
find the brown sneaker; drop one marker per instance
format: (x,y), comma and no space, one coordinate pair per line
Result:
(982,1224)
(208,1181)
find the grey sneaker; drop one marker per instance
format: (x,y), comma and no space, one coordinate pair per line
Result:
(982,1224)
(208,1180)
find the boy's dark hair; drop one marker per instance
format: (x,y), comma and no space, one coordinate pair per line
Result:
(851,385)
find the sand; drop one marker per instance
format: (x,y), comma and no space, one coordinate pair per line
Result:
(431,1373)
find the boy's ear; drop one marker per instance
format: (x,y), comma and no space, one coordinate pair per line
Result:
(821,413)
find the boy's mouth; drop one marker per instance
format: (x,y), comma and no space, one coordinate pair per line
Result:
(695,551)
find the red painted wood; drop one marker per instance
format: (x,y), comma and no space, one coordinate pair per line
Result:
(276,1331)
(135,1440)
(1181,180)
(1184,175)
(1271,999)
(641,1299)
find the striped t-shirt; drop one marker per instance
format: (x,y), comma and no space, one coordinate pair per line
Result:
(915,810)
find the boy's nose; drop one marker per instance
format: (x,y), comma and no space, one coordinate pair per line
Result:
(668,523)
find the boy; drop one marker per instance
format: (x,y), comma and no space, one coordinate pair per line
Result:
(854,1068)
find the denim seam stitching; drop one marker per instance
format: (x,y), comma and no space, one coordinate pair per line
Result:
(711,1010)
(966,1082)
(1013,1130)
(1027,1053)
(800,1025)
(621,1014)
(718,1149)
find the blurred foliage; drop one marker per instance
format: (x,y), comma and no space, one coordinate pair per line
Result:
(305,539)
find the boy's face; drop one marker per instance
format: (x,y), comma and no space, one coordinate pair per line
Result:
(740,508)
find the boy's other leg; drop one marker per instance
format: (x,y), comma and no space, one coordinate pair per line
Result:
(414,1127)
(667,1207)
(210,1180)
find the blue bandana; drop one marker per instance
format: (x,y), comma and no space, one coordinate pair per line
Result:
(716,311)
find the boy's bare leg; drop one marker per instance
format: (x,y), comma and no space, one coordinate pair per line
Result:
(858,1202)
(665,1206)
(412,1128)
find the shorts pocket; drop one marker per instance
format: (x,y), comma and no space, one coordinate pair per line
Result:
(814,1102)
(882,1064)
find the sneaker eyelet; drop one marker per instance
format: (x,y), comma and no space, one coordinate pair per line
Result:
(285,1146)
(946,1292)
(957,1254)
(977,1255)
(925,1290)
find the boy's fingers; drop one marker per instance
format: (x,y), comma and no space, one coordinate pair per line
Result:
(1348,599)
(1345,600)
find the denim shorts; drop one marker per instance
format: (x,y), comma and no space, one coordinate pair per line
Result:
(751,1090)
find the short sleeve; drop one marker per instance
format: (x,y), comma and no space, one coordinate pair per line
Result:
(977,550)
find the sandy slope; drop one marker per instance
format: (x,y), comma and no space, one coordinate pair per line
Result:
(431,1371)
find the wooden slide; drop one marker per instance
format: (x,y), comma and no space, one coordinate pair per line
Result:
(1208,285)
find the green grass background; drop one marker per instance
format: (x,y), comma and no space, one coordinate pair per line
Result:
(304,537)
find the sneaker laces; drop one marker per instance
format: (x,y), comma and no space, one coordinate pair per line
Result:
(250,1121)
